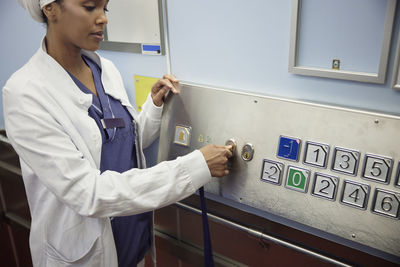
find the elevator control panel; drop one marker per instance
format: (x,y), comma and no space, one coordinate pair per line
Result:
(376,169)
(331,169)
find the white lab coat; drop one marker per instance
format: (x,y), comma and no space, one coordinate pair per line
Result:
(59,145)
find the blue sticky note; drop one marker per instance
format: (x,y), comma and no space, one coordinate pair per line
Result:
(289,148)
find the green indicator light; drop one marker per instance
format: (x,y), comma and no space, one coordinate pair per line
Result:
(297,179)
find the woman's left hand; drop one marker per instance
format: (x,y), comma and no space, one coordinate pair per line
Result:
(162,87)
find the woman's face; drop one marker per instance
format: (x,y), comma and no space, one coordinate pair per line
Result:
(81,23)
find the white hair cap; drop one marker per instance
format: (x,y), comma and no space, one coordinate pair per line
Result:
(34,7)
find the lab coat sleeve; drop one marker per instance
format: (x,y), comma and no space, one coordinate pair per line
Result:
(150,121)
(46,147)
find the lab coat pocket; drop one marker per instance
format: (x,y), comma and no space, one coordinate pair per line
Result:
(77,245)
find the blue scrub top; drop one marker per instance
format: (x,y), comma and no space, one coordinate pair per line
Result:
(132,234)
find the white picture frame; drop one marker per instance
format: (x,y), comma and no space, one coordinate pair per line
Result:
(134,25)
(361,76)
(396,70)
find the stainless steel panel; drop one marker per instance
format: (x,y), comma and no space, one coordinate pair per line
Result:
(217,115)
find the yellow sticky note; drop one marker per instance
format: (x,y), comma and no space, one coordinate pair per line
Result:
(143,86)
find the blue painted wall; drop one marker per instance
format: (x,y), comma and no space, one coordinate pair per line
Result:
(244,45)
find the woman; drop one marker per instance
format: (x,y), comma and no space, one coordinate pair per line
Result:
(80,146)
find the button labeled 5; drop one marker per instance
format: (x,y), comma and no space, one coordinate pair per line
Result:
(377,168)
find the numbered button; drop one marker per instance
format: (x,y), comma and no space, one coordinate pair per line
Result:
(297,179)
(377,168)
(289,148)
(272,171)
(386,203)
(345,161)
(355,194)
(325,186)
(316,154)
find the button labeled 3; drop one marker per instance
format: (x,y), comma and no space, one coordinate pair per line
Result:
(345,161)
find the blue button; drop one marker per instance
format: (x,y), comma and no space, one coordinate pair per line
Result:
(289,148)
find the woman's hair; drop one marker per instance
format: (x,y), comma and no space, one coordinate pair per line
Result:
(44,16)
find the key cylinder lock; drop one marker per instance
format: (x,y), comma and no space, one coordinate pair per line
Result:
(247,152)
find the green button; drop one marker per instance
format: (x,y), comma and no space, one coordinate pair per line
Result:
(297,179)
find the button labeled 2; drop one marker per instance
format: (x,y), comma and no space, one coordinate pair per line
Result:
(325,186)
(297,179)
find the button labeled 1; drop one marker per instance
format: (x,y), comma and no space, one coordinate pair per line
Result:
(297,179)
(355,194)
(272,171)
(316,154)
(386,203)
(377,168)
(325,186)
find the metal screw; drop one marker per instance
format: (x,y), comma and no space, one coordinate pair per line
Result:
(376,121)
(353,235)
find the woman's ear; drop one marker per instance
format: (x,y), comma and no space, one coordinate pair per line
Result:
(50,11)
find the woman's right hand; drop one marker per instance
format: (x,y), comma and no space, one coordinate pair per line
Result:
(217,159)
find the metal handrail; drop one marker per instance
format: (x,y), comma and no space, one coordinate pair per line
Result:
(264,236)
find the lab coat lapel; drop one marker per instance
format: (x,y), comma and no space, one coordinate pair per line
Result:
(75,104)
